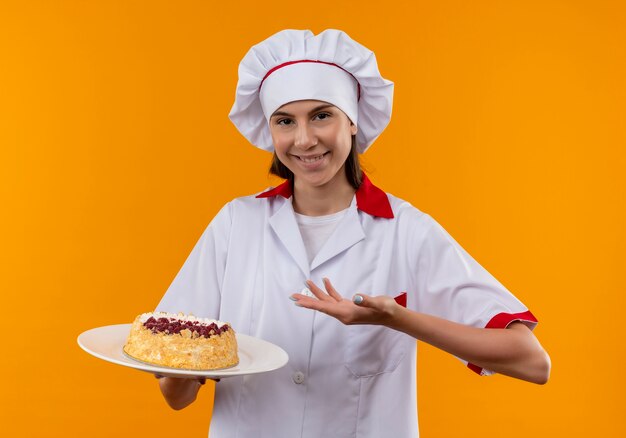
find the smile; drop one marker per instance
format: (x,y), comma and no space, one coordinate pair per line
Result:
(312,159)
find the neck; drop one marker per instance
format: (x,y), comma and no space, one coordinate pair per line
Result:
(332,197)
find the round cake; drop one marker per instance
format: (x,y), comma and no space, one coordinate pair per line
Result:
(182,341)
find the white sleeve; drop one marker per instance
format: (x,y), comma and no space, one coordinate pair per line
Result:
(452,285)
(198,285)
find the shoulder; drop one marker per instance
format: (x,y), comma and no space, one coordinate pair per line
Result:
(253,200)
(413,224)
(253,205)
(236,206)
(405,212)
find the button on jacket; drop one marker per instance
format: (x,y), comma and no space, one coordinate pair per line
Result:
(340,381)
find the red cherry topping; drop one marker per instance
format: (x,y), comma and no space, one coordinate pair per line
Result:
(175,326)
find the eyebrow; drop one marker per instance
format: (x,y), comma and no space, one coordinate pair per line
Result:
(314,110)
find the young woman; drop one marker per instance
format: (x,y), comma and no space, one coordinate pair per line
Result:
(317,102)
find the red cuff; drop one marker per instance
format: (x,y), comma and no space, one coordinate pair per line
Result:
(401,299)
(502,320)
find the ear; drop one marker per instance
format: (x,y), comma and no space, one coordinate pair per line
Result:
(353,129)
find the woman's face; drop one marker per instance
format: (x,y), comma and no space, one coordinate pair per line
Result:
(313,139)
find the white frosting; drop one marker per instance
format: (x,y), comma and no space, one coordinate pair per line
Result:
(180,317)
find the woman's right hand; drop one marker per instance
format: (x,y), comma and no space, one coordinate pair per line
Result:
(180,392)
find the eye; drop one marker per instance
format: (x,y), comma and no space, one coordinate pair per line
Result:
(284,122)
(322,116)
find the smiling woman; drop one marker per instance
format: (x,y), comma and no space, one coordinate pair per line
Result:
(317,101)
(313,140)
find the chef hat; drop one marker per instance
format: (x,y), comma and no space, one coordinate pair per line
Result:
(297,65)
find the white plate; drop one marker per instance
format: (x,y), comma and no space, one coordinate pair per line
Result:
(255,355)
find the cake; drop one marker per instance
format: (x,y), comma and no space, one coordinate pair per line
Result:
(182,341)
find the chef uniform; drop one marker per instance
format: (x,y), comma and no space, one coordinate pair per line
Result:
(340,381)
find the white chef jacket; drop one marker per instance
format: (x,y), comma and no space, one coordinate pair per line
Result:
(340,381)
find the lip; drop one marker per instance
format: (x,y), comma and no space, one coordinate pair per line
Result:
(311,161)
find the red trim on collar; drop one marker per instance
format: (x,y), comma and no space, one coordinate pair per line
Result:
(373,200)
(369,198)
(283,190)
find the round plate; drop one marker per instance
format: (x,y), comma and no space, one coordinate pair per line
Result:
(255,355)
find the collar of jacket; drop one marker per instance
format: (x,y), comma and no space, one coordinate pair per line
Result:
(369,198)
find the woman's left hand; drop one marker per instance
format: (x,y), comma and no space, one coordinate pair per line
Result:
(513,351)
(362,309)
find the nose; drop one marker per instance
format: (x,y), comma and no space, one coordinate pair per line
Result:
(305,137)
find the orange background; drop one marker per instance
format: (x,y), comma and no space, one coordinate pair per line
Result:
(116,152)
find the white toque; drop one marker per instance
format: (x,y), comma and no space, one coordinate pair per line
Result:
(297,65)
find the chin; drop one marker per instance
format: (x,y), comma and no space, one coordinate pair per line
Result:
(321,180)
(315,182)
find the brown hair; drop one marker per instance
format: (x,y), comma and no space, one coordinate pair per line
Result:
(352,166)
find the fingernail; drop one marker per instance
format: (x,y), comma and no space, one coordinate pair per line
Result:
(358,299)
(292,298)
(306,284)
